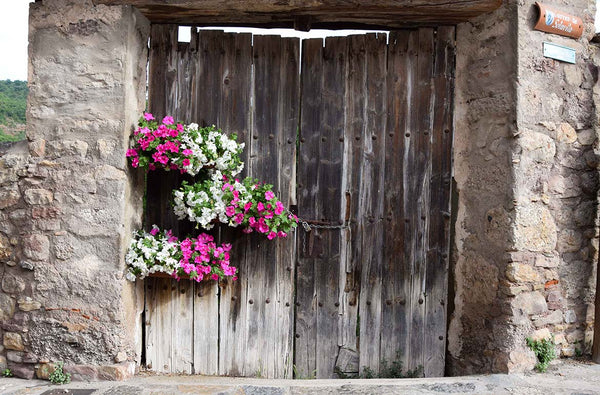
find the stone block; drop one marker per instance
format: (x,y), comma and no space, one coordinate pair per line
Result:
(535,229)
(118,372)
(569,240)
(37,148)
(541,334)
(45,212)
(65,148)
(566,133)
(9,197)
(36,247)
(15,356)
(12,284)
(530,303)
(555,317)
(5,248)
(38,196)
(570,317)
(3,363)
(538,146)
(520,361)
(28,304)
(586,137)
(521,273)
(121,357)
(7,307)
(24,371)
(575,336)
(13,341)
(82,372)
(105,148)
(45,370)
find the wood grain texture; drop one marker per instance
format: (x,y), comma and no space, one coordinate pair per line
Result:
(436,286)
(372,186)
(392,13)
(305,348)
(395,336)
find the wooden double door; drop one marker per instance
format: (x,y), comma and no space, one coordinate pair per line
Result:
(355,134)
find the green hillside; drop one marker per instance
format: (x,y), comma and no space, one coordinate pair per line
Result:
(13,102)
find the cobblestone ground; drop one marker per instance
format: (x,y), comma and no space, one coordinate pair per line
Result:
(574,378)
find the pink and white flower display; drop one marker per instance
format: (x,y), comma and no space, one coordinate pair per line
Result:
(160,252)
(188,148)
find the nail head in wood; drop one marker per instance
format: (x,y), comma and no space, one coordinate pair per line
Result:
(251,301)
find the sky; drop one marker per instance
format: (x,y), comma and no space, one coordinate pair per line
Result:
(13,37)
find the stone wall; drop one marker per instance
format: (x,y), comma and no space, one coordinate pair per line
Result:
(526,234)
(67,202)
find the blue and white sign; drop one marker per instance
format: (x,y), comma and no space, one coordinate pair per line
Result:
(559,52)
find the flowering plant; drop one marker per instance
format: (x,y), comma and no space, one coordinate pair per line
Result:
(246,203)
(173,146)
(160,251)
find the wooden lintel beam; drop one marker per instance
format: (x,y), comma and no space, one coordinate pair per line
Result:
(393,13)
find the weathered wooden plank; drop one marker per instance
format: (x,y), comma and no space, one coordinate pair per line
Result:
(234,118)
(205,334)
(329,193)
(351,237)
(382,13)
(419,192)
(371,200)
(209,72)
(436,285)
(287,125)
(159,342)
(182,331)
(401,66)
(305,347)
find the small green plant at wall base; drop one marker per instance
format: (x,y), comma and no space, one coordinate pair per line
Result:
(58,376)
(544,351)
(7,373)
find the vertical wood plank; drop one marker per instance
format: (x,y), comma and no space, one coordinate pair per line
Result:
(206,327)
(235,117)
(420,192)
(182,321)
(436,286)
(401,65)
(305,347)
(353,138)
(371,201)
(288,117)
(209,92)
(327,272)
(159,342)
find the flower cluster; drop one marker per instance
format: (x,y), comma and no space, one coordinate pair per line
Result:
(173,146)
(160,251)
(247,203)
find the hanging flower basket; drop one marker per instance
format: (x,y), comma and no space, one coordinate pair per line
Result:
(217,197)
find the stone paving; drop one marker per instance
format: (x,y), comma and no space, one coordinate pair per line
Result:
(563,377)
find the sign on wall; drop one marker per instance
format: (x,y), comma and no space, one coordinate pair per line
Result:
(551,20)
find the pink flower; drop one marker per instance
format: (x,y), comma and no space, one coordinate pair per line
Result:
(229,270)
(154,230)
(247,230)
(151,166)
(247,206)
(227,247)
(200,277)
(187,152)
(239,218)
(131,152)
(148,116)
(230,211)
(278,208)
(260,207)
(269,215)
(269,195)
(168,120)
(215,277)
(185,162)
(135,162)
(271,235)
(252,221)
(281,234)
(263,228)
